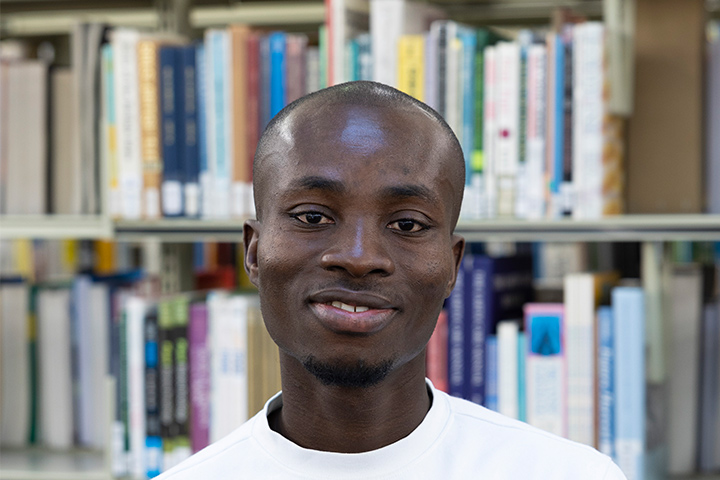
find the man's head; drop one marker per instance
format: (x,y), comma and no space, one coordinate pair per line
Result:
(358,190)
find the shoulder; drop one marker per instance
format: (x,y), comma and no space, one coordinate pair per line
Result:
(517,446)
(214,461)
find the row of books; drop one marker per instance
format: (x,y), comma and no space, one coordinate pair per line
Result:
(627,366)
(187,369)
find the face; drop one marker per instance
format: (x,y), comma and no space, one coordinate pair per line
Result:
(354,254)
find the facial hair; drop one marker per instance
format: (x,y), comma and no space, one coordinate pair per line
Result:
(357,375)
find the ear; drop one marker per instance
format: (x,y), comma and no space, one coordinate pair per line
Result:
(251,233)
(458,249)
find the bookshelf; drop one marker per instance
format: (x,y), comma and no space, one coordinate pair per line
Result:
(77,464)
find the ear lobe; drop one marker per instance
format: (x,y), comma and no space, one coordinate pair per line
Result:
(458,249)
(250,243)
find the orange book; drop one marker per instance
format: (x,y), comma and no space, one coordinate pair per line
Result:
(240,180)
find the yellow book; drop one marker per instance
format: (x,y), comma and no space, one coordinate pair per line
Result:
(411,66)
(105,256)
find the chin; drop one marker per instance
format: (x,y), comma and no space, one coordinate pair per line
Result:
(347,374)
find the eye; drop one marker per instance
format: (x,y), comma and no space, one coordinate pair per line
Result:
(313,218)
(407,226)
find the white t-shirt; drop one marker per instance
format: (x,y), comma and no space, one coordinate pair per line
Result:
(456,440)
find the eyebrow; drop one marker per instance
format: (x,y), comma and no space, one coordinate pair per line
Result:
(318,183)
(410,191)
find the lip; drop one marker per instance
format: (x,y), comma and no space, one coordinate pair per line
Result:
(379,314)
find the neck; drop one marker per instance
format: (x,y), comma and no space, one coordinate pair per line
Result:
(350,420)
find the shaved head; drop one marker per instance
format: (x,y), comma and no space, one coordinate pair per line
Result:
(302,120)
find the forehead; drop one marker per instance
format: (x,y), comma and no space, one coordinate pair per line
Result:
(394,144)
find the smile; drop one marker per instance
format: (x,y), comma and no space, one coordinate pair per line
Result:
(349,308)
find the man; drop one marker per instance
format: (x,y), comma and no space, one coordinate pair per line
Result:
(358,189)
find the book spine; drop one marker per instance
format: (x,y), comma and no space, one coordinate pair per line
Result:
(508,118)
(169,96)
(522,180)
(522,391)
(182,382)
(167,373)
(567,193)
(546,367)
(606,383)
(277,72)
(507,376)
(477,327)
(83,360)
(296,49)
(127,101)
(536,131)
(135,323)
(628,305)
(489,202)
(153,437)
(253,110)
(558,131)
(239,63)
(148,84)
(411,65)
(221,168)
(265,81)
(453,81)
(386,28)
(199,377)
(456,336)
(467,64)
(491,373)
(205,126)
(191,144)
(437,354)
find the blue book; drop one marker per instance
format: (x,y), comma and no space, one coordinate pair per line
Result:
(491,374)
(628,304)
(220,164)
(606,384)
(522,395)
(364,60)
(190,145)
(278,74)
(497,289)
(468,37)
(153,439)
(558,117)
(455,306)
(202,138)
(172,178)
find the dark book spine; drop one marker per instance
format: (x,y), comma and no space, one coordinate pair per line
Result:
(181,376)
(152,396)
(190,148)
(166,370)
(456,335)
(169,132)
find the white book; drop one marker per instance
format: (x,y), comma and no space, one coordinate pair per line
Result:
(507,349)
(347,19)
(14,365)
(536,130)
(26,167)
(228,363)
(55,381)
(507,148)
(588,111)
(684,363)
(453,81)
(135,333)
(127,114)
(390,20)
(580,351)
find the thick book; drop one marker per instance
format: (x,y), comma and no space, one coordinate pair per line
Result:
(15,364)
(66,170)
(628,304)
(278,72)
(190,147)
(536,116)
(507,144)
(127,112)
(410,66)
(134,325)
(55,376)
(507,374)
(242,161)
(199,363)
(546,367)
(171,120)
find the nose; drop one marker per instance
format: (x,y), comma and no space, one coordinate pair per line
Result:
(358,249)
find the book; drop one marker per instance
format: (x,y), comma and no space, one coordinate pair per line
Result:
(127,112)
(536,116)
(344,20)
(708,461)
(191,144)
(712,118)
(685,311)
(66,172)
(242,161)
(546,367)
(410,65)
(199,363)
(606,381)
(628,304)
(172,120)
(507,375)
(134,326)
(153,434)
(455,307)
(55,378)
(27,153)
(491,400)
(437,354)
(15,394)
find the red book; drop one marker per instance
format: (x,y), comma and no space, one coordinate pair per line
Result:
(437,354)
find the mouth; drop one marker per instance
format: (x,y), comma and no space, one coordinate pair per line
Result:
(346,312)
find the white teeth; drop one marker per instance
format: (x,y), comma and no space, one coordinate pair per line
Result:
(348,308)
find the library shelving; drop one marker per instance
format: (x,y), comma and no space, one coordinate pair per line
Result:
(17,21)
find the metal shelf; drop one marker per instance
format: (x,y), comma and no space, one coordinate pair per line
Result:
(626,228)
(257,13)
(37,464)
(55,226)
